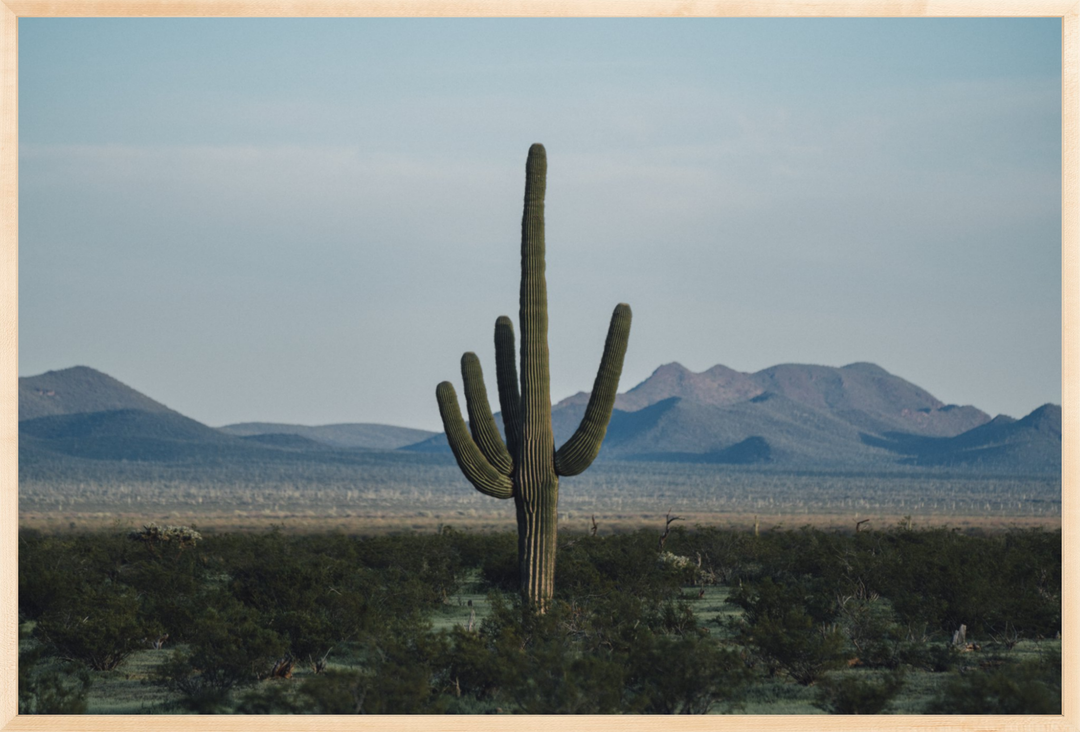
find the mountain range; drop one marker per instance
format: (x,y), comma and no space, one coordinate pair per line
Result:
(790,415)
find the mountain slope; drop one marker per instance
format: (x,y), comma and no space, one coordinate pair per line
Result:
(863,394)
(360,435)
(870,398)
(130,434)
(796,415)
(79,390)
(789,415)
(779,429)
(1031,444)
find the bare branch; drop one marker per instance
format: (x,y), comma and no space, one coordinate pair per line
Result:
(669,520)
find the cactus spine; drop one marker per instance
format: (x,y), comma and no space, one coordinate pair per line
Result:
(527,466)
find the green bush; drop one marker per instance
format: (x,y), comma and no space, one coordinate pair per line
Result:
(852,694)
(779,629)
(48,687)
(620,636)
(1032,687)
(685,674)
(99,627)
(229,647)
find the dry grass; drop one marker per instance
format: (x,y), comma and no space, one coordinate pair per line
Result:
(430,521)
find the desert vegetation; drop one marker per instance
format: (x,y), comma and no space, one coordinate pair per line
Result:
(527,466)
(180,619)
(392,491)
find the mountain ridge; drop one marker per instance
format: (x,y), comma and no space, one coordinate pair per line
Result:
(346,435)
(79,390)
(793,415)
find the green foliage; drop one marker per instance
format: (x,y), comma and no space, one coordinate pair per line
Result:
(626,563)
(228,647)
(597,652)
(50,688)
(948,578)
(622,634)
(397,678)
(689,673)
(1031,687)
(780,627)
(98,626)
(851,694)
(336,692)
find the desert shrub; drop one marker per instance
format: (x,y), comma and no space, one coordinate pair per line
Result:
(628,564)
(427,565)
(171,539)
(474,548)
(97,626)
(946,578)
(228,647)
(594,565)
(619,637)
(784,636)
(872,633)
(271,698)
(318,592)
(170,584)
(335,692)
(351,691)
(48,571)
(1030,687)
(61,690)
(726,555)
(684,674)
(397,674)
(554,679)
(473,668)
(855,694)
(499,566)
(47,686)
(598,653)
(542,668)
(402,678)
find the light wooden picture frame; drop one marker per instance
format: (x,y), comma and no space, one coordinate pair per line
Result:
(12,10)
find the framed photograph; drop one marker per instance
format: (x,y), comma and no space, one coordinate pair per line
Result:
(425,360)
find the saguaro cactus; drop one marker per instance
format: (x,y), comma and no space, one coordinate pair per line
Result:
(527,466)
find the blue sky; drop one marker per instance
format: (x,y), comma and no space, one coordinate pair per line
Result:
(310,220)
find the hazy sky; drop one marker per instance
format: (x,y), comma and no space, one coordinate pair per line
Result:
(311,220)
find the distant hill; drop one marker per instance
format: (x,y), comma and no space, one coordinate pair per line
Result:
(129,434)
(84,414)
(284,440)
(792,416)
(132,435)
(785,431)
(1030,444)
(79,390)
(366,436)
(869,397)
(862,394)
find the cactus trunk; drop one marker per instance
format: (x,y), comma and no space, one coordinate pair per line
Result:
(537,517)
(528,467)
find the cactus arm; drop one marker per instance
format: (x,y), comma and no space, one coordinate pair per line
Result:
(481,422)
(506,373)
(484,477)
(537,443)
(583,447)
